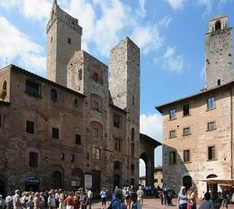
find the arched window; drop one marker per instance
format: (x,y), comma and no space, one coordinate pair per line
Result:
(187,182)
(219,82)
(56,180)
(218,25)
(4,87)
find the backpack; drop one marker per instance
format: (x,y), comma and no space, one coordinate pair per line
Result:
(110,206)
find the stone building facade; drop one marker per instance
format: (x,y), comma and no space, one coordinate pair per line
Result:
(198,130)
(158,178)
(74,128)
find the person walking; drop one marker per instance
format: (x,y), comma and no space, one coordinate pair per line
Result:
(103,196)
(135,203)
(83,199)
(207,203)
(90,196)
(116,203)
(182,198)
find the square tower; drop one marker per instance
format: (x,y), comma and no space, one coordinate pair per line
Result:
(218,52)
(63,39)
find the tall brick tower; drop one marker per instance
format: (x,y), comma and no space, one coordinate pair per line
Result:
(218,52)
(124,88)
(63,39)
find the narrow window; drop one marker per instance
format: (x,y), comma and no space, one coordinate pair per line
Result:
(33,159)
(211,153)
(172,134)
(132,149)
(69,40)
(116,121)
(95,76)
(186,131)
(76,102)
(3,92)
(78,139)
(117,145)
(62,156)
(53,95)
(210,126)
(55,133)
(133,134)
(172,156)
(218,25)
(186,156)
(72,158)
(30,127)
(4,87)
(186,110)
(219,82)
(133,99)
(117,165)
(132,169)
(51,39)
(210,103)
(95,132)
(80,74)
(95,106)
(172,113)
(96,153)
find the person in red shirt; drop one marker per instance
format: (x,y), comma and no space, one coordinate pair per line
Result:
(69,201)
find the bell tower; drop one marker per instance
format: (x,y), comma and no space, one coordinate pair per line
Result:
(218,52)
(63,39)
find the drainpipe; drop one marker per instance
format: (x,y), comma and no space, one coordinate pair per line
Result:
(231,145)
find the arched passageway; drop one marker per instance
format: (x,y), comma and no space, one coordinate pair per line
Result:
(147,147)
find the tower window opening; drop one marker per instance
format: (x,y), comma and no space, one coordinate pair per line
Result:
(218,25)
(219,82)
(69,40)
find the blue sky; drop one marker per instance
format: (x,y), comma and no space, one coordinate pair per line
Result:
(170,34)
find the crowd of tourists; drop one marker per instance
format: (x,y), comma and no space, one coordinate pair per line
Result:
(53,199)
(125,198)
(209,200)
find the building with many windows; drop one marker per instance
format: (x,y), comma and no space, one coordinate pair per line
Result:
(198,130)
(79,127)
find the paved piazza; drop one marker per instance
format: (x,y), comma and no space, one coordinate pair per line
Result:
(151,203)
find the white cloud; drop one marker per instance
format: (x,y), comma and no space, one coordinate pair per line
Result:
(176,4)
(171,61)
(141,10)
(207,4)
(147,38)
(151,125)
(34,63)
(9,4)
(36,9)
(15,44)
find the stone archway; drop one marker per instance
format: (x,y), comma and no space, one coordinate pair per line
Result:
(147,147)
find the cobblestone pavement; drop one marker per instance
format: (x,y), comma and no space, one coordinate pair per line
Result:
(151,203)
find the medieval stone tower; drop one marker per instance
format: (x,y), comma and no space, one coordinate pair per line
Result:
(125,88)
(111,109)
(63,39)
(218,52)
